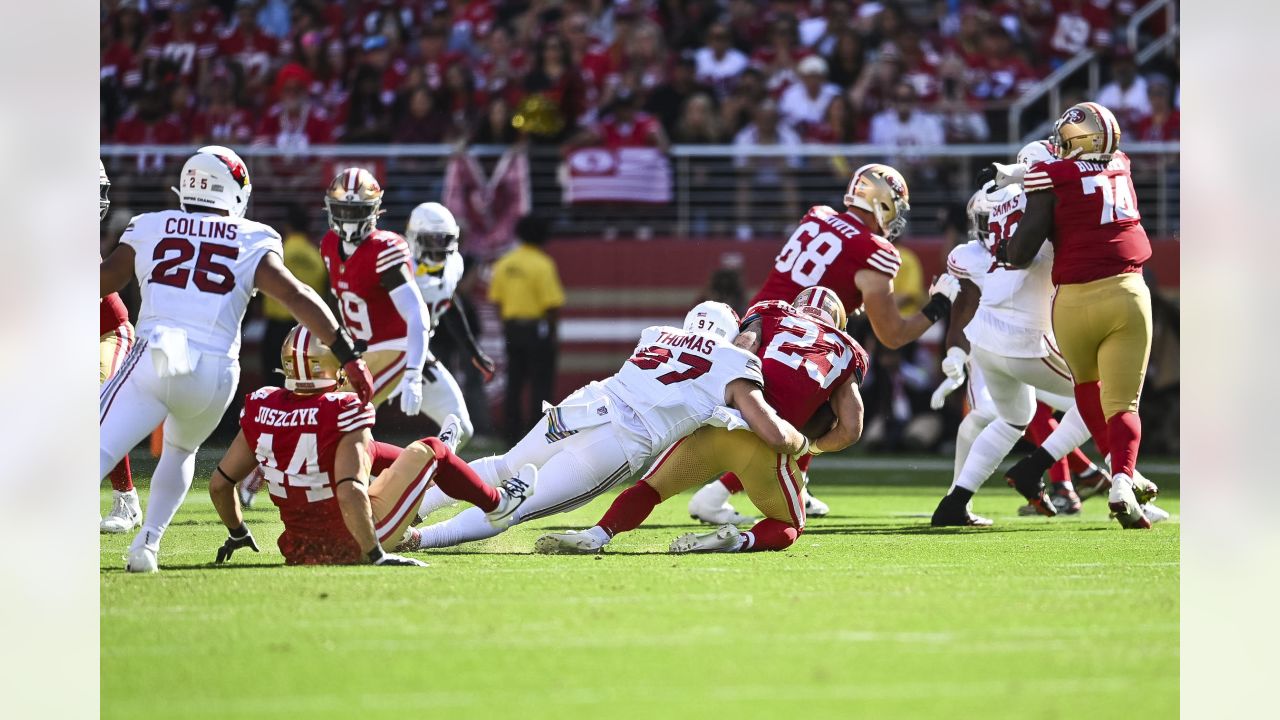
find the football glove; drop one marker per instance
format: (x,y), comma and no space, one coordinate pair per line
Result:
(1009,174)
(411,391)
(945,388)
(953,364)
(236,539)
(946,285)
(484,364)
(378,556)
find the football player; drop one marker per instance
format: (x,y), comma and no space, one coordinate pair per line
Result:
(371,275)
(852,253)
(1083,202)
(115,340)
(807,360)
(197,267)
(677,380)
(313,444)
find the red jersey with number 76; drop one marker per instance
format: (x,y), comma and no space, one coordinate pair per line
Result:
(368,311)
(1097,231)
(803,359)
(828,249)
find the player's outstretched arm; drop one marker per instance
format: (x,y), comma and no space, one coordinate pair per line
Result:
(780,435)
(455,320)
(846,401)
(116,271)
(891,329)
(1033,229)
(962,311)
(235,465)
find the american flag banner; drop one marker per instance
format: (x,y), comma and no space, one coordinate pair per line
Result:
(627,175)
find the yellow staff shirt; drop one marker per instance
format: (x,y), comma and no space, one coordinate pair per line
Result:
(525,284)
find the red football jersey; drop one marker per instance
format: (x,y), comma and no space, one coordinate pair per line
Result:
(111,313)
(367,309)
(803,359)
(1097,231)
(828,249)
(295,438)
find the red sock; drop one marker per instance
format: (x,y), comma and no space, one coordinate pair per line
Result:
(1125,434)
(121,478)
(383,455)
(803,463)
(458,480)
(731,483)
(1078,461)
(770,534)
(630,508)
(1042,425)
(1089,403)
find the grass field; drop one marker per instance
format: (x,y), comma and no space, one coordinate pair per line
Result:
(871,614)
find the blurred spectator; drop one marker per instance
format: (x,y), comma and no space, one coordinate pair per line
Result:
(765,173)
(294,123)
(740,106)
(1163,124)
(778,59)
(495,128)
(591,57)
(644,61)
(822,33)
(667,101)
(845,61)
(718,61)
(424,122)
(905,124)
(1000,75)
(555,77)
(875,88)
(625,127)
(836,127)
(1077,24)
(149,121)
(221,122)
(501,66)
(274,18)
(368,119)
(726,286)
(178,50)
(1126,94)
(303,259)
(962,120)
(247,46)
(805,103)
(459,97)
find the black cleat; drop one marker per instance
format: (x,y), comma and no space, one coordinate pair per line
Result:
(954,512)
(1032,488)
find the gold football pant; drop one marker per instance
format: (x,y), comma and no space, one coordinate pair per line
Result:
(1104,331)
(772,481)
(386,367)
(112,349)
(397,492)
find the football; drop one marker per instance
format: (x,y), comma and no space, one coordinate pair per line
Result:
(820,422)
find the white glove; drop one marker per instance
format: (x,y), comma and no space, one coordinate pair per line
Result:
(1010,174)
(946,285)
(411,391)
(939,397)
(953,364)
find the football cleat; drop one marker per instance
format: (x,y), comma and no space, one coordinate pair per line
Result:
(813,507)
(1064,498)
(125,515)
(450,431)
(569,543)
(511,495)
(142,560)
(1143,489)
(1154,514)
(409,542)
(1032,488)
(1124,504)
(702,507)
(726,538)
(1092,482)
(951,512)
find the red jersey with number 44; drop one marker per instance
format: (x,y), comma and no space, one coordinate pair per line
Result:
(803,359)
(1097,231)
(295,438)
(367,309)
(828,249)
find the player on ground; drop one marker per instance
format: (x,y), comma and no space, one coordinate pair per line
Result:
(197,267)
(676,380)
(115,340)
(371,275)
(807,360)
(1085,204)
(852,253)
(314,445)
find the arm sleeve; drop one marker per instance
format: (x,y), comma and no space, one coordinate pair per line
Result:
(352,415)
(455,319)
(1036,179)
(408,301)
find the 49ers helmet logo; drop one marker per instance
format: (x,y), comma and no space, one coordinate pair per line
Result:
(1073,116)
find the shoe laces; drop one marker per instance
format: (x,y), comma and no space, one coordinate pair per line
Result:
(515,486)
(120,507)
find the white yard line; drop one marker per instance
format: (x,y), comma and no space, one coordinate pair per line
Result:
(935,465)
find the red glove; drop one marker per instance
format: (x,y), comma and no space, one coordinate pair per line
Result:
(360,379)
(485,365)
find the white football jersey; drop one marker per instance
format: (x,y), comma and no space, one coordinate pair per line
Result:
(196,273)
(438,290)
(1014,316)
(675,380)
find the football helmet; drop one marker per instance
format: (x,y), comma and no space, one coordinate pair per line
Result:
(1087,131)
(215,177)
(433,234)
(309,365)
(979,211)
(881,191)
(1035,152)
(104,184)
(354,202)
(712,318)
(823,304)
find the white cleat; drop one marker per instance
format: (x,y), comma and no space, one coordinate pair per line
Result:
(125,515)
(1124,504)
(726,539)
(813,507)
(511,495)
(573,542)
(142,560)
(711,505)
(1154,514)
(450,431)
(1143,489)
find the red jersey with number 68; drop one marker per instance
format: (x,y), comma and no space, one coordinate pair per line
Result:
(295,438)
(367,309)
(828,249)
(1097,231)
(803,359)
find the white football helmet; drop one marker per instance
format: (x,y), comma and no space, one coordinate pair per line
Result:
(979,211)
(713,318)
(432,233)
(1035,152)
(215,177)
(104,184)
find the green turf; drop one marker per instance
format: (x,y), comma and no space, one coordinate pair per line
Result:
(871,614)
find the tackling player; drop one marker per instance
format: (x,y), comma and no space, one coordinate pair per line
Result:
(676,381)
(312,442)
(197,267)
(115,341)
(1084,203)
(852,253)
(807,360)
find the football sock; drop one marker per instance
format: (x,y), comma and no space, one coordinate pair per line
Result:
(990,447)
(630,509)
(730,483)
(432,500)
(713,494)
(1124,435)
(1089,405)
(381,456)
(953,506)
(598,533)
(768,534)
(466,526)
(169,486)
(1070,434)
(458,480)
(1033,465)
(970,428)
(121,478)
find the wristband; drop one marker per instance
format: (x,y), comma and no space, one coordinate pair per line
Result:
(239,533)
(814,450)
(804,449)
(938,306)
(342,348)
(375,554)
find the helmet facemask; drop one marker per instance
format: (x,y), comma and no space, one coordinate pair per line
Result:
(104,203)
(433,248)
(352,221)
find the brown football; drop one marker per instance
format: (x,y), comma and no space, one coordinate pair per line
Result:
(822,420)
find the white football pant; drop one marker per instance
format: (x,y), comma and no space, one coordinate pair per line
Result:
(442,397)
(133,402)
